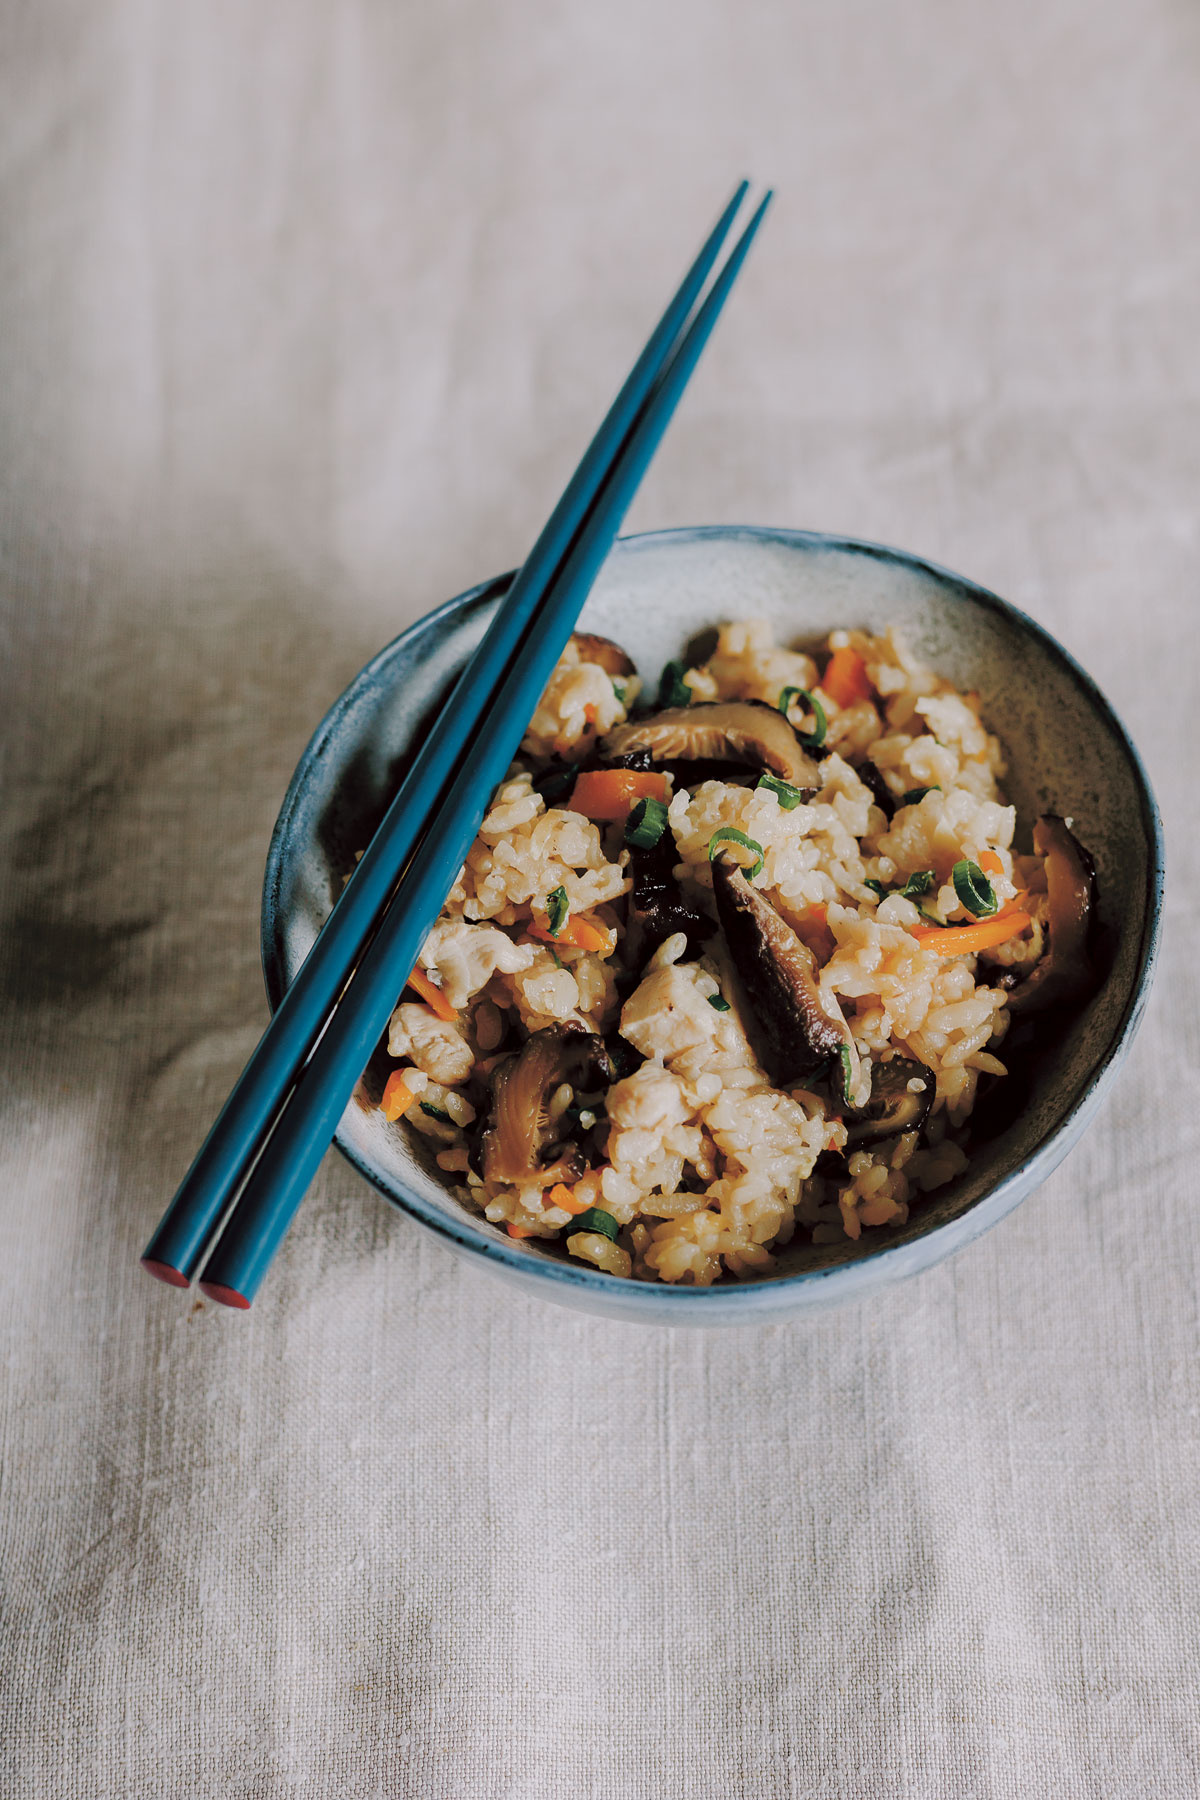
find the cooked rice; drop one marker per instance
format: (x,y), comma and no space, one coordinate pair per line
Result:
(704,1165)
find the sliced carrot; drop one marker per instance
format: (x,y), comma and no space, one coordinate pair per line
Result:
(965,940)
(397,1095)
(845,679)
(581,933)
(990,863)
(562,1196)
(818,914)
(589,713)
(519,1231)
(612,793)
(431,993)
(1016,904)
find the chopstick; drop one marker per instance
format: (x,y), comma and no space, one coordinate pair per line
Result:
(190,1224)
(287,1165)
(303,1132)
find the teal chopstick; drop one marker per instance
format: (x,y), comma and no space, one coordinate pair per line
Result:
(187,1229)
(289,1161)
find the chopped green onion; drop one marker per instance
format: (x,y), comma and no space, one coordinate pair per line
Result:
(789,797)
(718,1002)
(729,834)
(555,782)
(558,962)
(595,1219)
(435,1112)
(557,908)
(646,824)
(915,794)
(847,1074)
(620,690)
(812,740)
(913,888)
(673,690)
(973,888)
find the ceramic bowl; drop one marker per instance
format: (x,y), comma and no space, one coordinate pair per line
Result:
(1067,752)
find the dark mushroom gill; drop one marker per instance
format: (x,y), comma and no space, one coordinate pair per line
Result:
(745,731)
(893,1106)
(520,1132)
(1066,973)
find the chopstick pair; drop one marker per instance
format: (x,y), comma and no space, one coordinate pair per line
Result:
(280,1118)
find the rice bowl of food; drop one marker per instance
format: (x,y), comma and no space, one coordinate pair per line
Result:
(799,943)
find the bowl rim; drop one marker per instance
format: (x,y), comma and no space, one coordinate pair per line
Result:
(886,1262)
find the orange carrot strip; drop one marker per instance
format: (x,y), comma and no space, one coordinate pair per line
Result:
(397,1095)
(965,940)
(612,793)
(581,933)
(518,1231)
(562,1196)
(845,679)
(1016,904)
(431,993)
(589,713)
(990,863)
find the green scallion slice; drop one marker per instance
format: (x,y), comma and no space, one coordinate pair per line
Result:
(789,797)
(594,1219)
(556,782)
(718,1002)
(973,888)
(812,740)
(620,690)
(673,690)
(646,824)
(847,1074)
(729,834)
(914,794)
(557,908)
(913,888)
(435,1112)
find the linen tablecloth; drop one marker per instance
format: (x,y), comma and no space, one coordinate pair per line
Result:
(307,311)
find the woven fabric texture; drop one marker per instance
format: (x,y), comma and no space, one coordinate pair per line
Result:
(307,312)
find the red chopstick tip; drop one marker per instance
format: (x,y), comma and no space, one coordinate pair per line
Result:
(226,1296)
(162,1271)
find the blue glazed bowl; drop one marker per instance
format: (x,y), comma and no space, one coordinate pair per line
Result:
(1067,753)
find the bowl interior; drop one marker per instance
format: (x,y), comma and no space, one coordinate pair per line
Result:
(1066,753)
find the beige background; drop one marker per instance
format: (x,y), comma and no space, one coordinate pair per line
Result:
(307,311)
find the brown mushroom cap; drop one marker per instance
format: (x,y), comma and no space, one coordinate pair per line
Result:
(745,731)
(792,1026)
(1066,972)
(520,1131)
(611,658)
